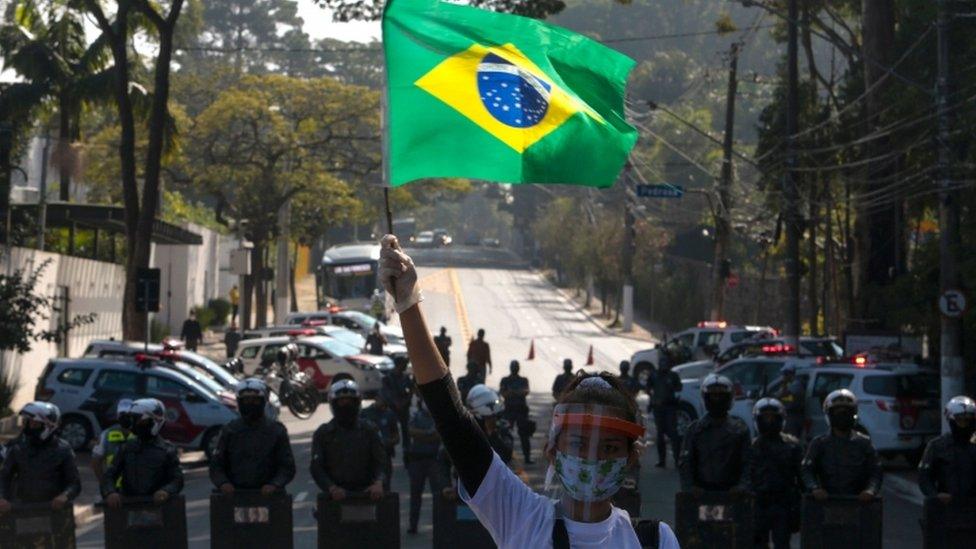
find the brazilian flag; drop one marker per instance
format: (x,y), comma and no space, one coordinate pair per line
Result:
(498,97)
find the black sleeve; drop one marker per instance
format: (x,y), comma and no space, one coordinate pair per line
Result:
(284,459)
(465,441)
(174,473)
(7,476)
(69,475)
(317,465)
(926,471)
(218,463)
(111,474)
(810,466)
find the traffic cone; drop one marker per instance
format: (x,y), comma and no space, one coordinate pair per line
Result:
(589,357)
(531,351)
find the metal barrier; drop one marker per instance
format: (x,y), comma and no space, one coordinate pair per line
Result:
(841,522)
(714,519)
(359,522)
(141,523)
(248,519)
(37,526)
(456,526)
(948,526)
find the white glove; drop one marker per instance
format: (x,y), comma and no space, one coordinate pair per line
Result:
(398,274)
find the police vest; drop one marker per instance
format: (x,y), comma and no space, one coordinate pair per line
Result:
(114,439)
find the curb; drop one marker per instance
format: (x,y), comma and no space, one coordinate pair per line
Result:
(589,316)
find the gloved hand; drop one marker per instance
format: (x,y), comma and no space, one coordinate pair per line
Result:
(398,274)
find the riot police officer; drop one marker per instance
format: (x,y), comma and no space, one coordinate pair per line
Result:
(487,408)
(469,380)
(253,452)
(948,466)
(39,466)
(773,474)
(112,439)
(388,425)
(792,395)
(842,461)
(147,465)
(515,390)
(663,385)
(563,379)
(347,454)
(713,455)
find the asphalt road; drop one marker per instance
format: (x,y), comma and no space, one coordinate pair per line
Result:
(467,289)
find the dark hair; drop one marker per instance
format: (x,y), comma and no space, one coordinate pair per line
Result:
(617,396)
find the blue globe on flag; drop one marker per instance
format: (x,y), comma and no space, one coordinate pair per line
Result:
(512,95)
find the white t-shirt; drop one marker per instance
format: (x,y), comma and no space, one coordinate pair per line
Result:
(516,517)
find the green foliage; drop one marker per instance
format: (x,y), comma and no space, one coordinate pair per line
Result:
(22,308)
(351,10)
(205,316)
(221,310)
(9,385)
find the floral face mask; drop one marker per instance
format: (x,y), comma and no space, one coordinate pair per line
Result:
(590,480)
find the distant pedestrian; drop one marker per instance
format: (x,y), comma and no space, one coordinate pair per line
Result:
(192,332)
(628,381)
(232,338)
(663,386)
(480,353)
(469,380)
(515,390)
(235,302)
(443,343)
(375,341)
(563,379)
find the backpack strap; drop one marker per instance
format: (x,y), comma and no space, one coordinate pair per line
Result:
(560,536)
(648,533)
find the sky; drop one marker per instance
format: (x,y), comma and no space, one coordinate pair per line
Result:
(318,24)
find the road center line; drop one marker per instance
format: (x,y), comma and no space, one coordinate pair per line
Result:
(460,310)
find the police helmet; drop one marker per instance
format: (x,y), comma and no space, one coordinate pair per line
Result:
(959,406)
(124,406)
(344,388)
(251,385)
(46,413)
(149,408)
(838,398)
(768,405)
(715,383)
(484,401)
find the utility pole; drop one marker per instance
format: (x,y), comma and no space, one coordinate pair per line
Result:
(42,194)
(953,376)
(790,193)
(627,257)
(6,168)
(282,267)
(723,221)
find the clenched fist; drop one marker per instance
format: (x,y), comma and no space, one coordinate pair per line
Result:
(398,274)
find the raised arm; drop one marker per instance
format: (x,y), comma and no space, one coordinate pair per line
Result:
(465,442)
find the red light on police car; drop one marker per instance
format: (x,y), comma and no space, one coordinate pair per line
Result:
(860,361)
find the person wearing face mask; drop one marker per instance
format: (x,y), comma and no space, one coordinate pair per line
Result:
(515,390)
(842,462)
(112,439)
(713,454)
(594,441)
(772,473)
(347,454)
(253,452)
(948,467)
(39,467)
(148,465)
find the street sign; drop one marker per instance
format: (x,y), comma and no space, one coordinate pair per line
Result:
(660,191)
(952,304)
(147,290)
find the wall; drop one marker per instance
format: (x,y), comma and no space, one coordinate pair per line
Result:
(190,276)
(92,287)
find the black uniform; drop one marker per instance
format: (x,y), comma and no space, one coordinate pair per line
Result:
(663,384)
(948,466)
(39,472)
(773,474)
(842,465)
(351,458)
(387,424)
(250,455)
(145,467)
(466,382)
(397,391)
(517,411)
(713,456)
(558,385)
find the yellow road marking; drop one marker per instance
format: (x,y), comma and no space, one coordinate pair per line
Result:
(460,309)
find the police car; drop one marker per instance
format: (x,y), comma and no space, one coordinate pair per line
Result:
(323,358)
(824,347)
(699,342)
(320,327)
(353,320)
(88,389)
(898,403)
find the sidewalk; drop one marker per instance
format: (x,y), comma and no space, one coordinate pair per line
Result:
(643,329)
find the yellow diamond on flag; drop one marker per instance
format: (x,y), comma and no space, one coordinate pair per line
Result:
(504,93)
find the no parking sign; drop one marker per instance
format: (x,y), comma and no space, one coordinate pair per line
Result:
(952,304)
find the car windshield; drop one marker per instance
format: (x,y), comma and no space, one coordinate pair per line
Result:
(206,382)
(823,347)
(336,347)
(903,386)
(362,319)
(348,337)
(212,368)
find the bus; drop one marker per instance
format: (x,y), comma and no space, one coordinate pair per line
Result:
(405,229)
(348,277)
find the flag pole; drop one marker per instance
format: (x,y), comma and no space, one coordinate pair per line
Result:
(389,212)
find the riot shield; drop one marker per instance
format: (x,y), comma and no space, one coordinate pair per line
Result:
(359,522)
(714,519)
(948,526)
(456,526)
(841,522)
(248,519)
(142,523)
(37,526)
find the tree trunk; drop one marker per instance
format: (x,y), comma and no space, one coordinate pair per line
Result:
(813,308)
(260,285)
(64,147)
(291,281)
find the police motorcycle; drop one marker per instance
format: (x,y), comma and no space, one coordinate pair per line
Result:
(293,386)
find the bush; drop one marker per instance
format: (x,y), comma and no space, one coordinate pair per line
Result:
(221,310)
(205,316)
(9,384)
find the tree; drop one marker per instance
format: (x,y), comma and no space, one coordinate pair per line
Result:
(350,10)
(273,138)
(141,202)
(45,43)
